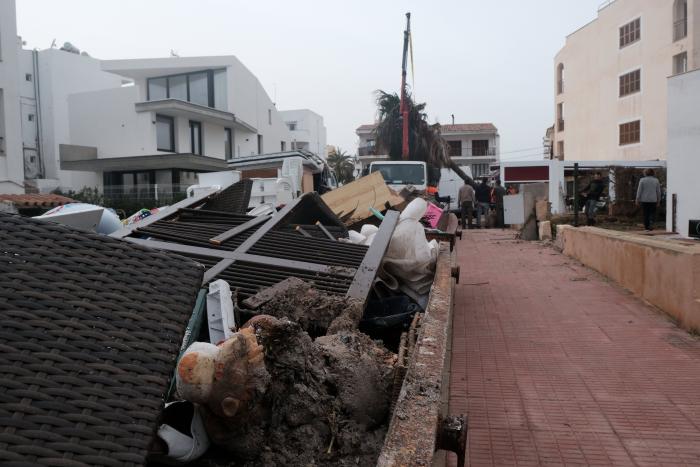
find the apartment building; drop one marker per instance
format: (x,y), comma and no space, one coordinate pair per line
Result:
(11,164)
(474,145)
(610,79)
(307,130)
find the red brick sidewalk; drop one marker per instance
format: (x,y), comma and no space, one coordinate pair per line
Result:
(556,366)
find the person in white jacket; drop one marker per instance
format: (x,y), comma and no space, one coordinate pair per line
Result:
(649,196)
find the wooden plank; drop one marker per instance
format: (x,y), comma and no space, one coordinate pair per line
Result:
(369,267)
(221,238)
(358,196)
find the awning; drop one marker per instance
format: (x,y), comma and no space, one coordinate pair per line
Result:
(133,163)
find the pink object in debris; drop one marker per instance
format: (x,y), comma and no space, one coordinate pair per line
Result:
(432,215)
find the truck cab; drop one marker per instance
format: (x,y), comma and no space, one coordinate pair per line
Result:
(400,174)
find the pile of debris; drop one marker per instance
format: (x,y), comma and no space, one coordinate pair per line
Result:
(296,331)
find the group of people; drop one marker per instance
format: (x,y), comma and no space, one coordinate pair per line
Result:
(480,200)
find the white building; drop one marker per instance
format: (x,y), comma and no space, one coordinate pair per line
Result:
(683,151)
(11,159)
(610,79)
(307,129)
(475,145)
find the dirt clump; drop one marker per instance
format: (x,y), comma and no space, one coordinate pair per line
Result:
(318,313)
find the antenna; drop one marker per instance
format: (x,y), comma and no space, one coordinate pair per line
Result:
(453,119)
(53,44)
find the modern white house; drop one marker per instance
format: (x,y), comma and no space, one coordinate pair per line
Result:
(307,130)
(610,87)
(474,145)
(683,189)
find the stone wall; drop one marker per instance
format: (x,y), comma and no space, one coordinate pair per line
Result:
(663,272)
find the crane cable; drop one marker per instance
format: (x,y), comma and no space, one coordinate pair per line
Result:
(413,73)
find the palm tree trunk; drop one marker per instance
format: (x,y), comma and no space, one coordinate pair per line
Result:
(467,179)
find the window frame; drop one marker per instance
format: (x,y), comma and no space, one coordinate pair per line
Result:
(210,85)
(631,36)
(228,152)
(171,122)
(626,83)
(198,125)
(626,133)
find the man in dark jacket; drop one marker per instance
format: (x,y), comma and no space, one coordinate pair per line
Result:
(497,194)
(483,201)
(593,192)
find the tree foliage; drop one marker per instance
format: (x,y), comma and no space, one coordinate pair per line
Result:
(342,164)
(425,142)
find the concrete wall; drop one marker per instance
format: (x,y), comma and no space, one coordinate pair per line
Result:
(683,149)
(664,273)
(11,157)
(593,62)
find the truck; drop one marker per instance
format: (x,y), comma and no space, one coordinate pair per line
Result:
(400,174)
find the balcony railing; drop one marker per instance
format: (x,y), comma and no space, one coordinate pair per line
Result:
(163,193)
(680,29)
(560,124)
(560,86)
(474,152)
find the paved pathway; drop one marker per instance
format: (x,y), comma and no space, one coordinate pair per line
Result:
(556,366)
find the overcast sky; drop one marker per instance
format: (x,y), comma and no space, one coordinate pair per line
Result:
(483,61)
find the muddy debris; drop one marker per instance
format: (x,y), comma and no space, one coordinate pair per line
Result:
(317,313)
(325,402)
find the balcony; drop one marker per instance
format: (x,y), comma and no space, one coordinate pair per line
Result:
(367,151)
(165,193)
(180,108)
(560,124)
(680,29)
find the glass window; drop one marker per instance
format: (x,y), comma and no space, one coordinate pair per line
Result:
(157,89)
(401,174)
(165,133)
(630,32)
(228,143)
(199,88)
(177,86)
(196,137)
(220,95)
(630,133)
(630,82)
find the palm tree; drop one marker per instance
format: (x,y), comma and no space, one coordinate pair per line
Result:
(425,142)
(342,164)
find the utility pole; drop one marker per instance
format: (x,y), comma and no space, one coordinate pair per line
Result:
(403,108)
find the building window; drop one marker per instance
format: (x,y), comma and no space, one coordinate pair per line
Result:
(630,32)
(480,147)
(560,149)
(30,117)
(292,126)
(560,116)
(629,133)
(479,170)
(560,78)
(28,77)
(680,63)
(260,144)
(197,87)
(283,146)
(196,137)
(455,148)
(680,19)
(228,143)
(165,133)
(630,82)
(269,116)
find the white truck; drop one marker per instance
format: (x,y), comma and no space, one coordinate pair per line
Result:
(400,174)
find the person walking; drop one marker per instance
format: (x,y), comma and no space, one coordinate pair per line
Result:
(593,192)
(649,195)
(465,196)
(483,200)
(497,194)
